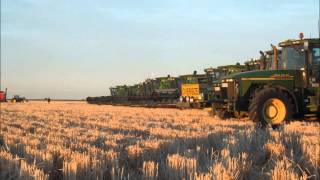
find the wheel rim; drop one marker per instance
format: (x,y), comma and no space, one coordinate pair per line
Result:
(274,111)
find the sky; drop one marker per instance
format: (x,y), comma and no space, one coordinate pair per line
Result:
(78,48)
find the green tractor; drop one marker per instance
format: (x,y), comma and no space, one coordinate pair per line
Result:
(196,89)
(290,88)
(20,99)
(214,74)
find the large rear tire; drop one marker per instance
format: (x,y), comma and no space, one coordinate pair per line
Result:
(270,106)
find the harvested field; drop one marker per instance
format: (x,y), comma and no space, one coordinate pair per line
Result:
(75,140)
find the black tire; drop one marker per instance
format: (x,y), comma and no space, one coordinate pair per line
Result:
(258,110)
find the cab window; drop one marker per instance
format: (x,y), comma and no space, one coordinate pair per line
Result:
(316,61)
(293,58)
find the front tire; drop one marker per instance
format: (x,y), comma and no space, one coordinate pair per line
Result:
(270,106)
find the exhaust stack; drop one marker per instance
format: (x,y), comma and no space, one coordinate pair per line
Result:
(275,57)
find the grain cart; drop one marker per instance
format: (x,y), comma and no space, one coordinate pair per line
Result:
(275,96)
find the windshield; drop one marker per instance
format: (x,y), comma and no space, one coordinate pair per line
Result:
(190,80)
(316,62)
(293,58)
(165,84)
(217,75)
(121,91)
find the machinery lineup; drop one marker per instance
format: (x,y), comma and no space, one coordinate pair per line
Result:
(284,83)
(14,99)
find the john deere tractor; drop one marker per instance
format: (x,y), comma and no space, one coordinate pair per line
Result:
(214,74)
(275,95)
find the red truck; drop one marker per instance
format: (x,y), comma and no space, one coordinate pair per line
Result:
(3,96)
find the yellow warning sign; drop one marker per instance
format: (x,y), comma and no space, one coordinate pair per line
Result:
(190,90)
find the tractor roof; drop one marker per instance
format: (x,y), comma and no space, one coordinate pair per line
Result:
(292,42)
(166,78)
(193,75)
(227,67)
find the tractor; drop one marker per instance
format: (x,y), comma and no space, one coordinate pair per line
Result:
(17,98)
(290,88)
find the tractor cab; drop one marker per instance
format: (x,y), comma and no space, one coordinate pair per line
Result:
(231,69)
(253,65)
(302,55)
(213,74)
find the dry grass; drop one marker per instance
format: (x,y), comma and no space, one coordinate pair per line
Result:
(64,140)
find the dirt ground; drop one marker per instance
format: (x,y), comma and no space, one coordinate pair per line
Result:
(76,140)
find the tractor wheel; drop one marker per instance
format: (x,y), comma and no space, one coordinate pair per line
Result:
(270,106)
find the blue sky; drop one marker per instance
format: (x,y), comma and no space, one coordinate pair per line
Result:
(76,48)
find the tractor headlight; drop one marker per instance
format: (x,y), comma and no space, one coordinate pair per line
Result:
(229,80)
(217,88)
(224,85)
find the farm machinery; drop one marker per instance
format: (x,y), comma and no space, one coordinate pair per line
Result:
(166,90)
(192,87)
(14,99)
(196,89)
(17,98)
(3,96)
(282,83)
(152,92)
(289,86)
